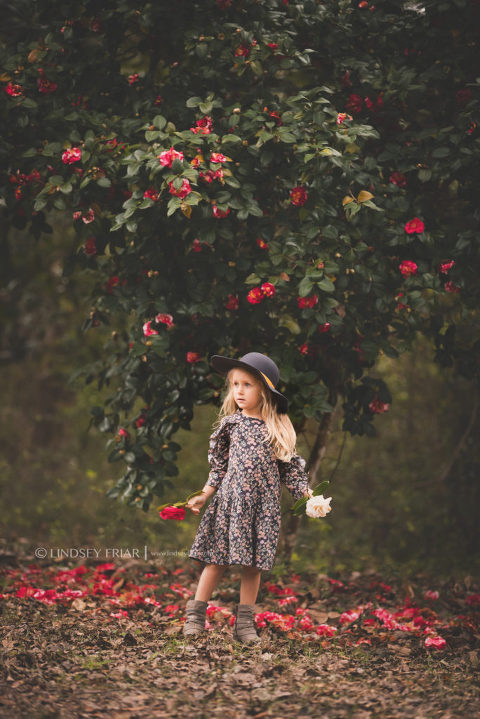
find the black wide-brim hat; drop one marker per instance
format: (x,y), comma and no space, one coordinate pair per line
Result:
(261,366)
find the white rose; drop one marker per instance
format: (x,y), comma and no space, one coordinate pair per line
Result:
(318,506)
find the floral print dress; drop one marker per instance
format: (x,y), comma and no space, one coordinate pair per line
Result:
(241,524)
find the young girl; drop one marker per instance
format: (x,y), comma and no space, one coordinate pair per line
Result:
(251,451)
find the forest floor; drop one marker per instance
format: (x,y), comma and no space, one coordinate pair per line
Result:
(105,640)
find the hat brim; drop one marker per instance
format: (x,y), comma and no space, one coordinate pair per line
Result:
(224,364)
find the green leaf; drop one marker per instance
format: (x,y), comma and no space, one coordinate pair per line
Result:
(326,285)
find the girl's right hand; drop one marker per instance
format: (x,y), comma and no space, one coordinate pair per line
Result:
(196,503)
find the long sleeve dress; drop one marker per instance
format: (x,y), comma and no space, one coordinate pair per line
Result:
(241,524)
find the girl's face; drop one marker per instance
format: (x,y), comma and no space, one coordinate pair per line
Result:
(246,391)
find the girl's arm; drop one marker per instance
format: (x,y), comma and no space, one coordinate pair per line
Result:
(208,490)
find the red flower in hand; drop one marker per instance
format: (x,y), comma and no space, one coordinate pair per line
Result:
(172,512)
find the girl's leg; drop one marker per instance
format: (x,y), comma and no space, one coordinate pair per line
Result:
(250,584)
(208,581)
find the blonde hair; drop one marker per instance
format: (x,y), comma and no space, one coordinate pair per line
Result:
(280,431)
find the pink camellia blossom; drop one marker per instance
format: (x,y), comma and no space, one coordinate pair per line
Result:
(166,319)
(444,267)
(377,407)
(450,287)
(72,154)
(232,303)
(350,616)
(435,641)
(172,512)
(183,191)
(307,301)
(268,289)
(431,594)
(123,433)
(397,178)
(193,357)
(89,216)
(77,215)
(415,225)
(147,330)
(255,296)
(342,116)
(219,213)
(217,157)
(204,126)
(407,267)
(89,247)
(167,157)
(325,327)
(150,194)
(298,196)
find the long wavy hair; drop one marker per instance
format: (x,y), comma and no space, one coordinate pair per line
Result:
(280,432)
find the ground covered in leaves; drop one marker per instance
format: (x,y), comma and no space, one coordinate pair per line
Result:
(105,640)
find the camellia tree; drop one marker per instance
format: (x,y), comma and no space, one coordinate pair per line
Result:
(290,178)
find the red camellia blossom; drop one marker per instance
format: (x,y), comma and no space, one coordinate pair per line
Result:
(444,267)
(378,103)
(204,126)
(72,154)
(407,268)
(255,296)
(325,327)
(304,349)
(167,157)
(141,420)
(272,45)
(268,289)
(183,191)
(132,79)
(13,90)
(298,195)
(242,51)
(354,103)
(158,100)
(262,244)
(450,287)
(89,247)
(435,641)
(463,96)
(89,216)
(232,303)
(45,86)
(173,513)
(150,194)
(219,213)
(217,157)
(377,407)
(396,178)
(415,225)
(307,301)
(112,282)
(197,245)
(193,357)
(165,319)
(123,433)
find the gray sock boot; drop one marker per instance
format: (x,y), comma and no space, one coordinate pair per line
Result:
(244,625)
(196,612)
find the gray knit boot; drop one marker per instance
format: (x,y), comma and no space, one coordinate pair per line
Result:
(244,625)
(196,612)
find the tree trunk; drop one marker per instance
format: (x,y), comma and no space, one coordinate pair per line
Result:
(290,524)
